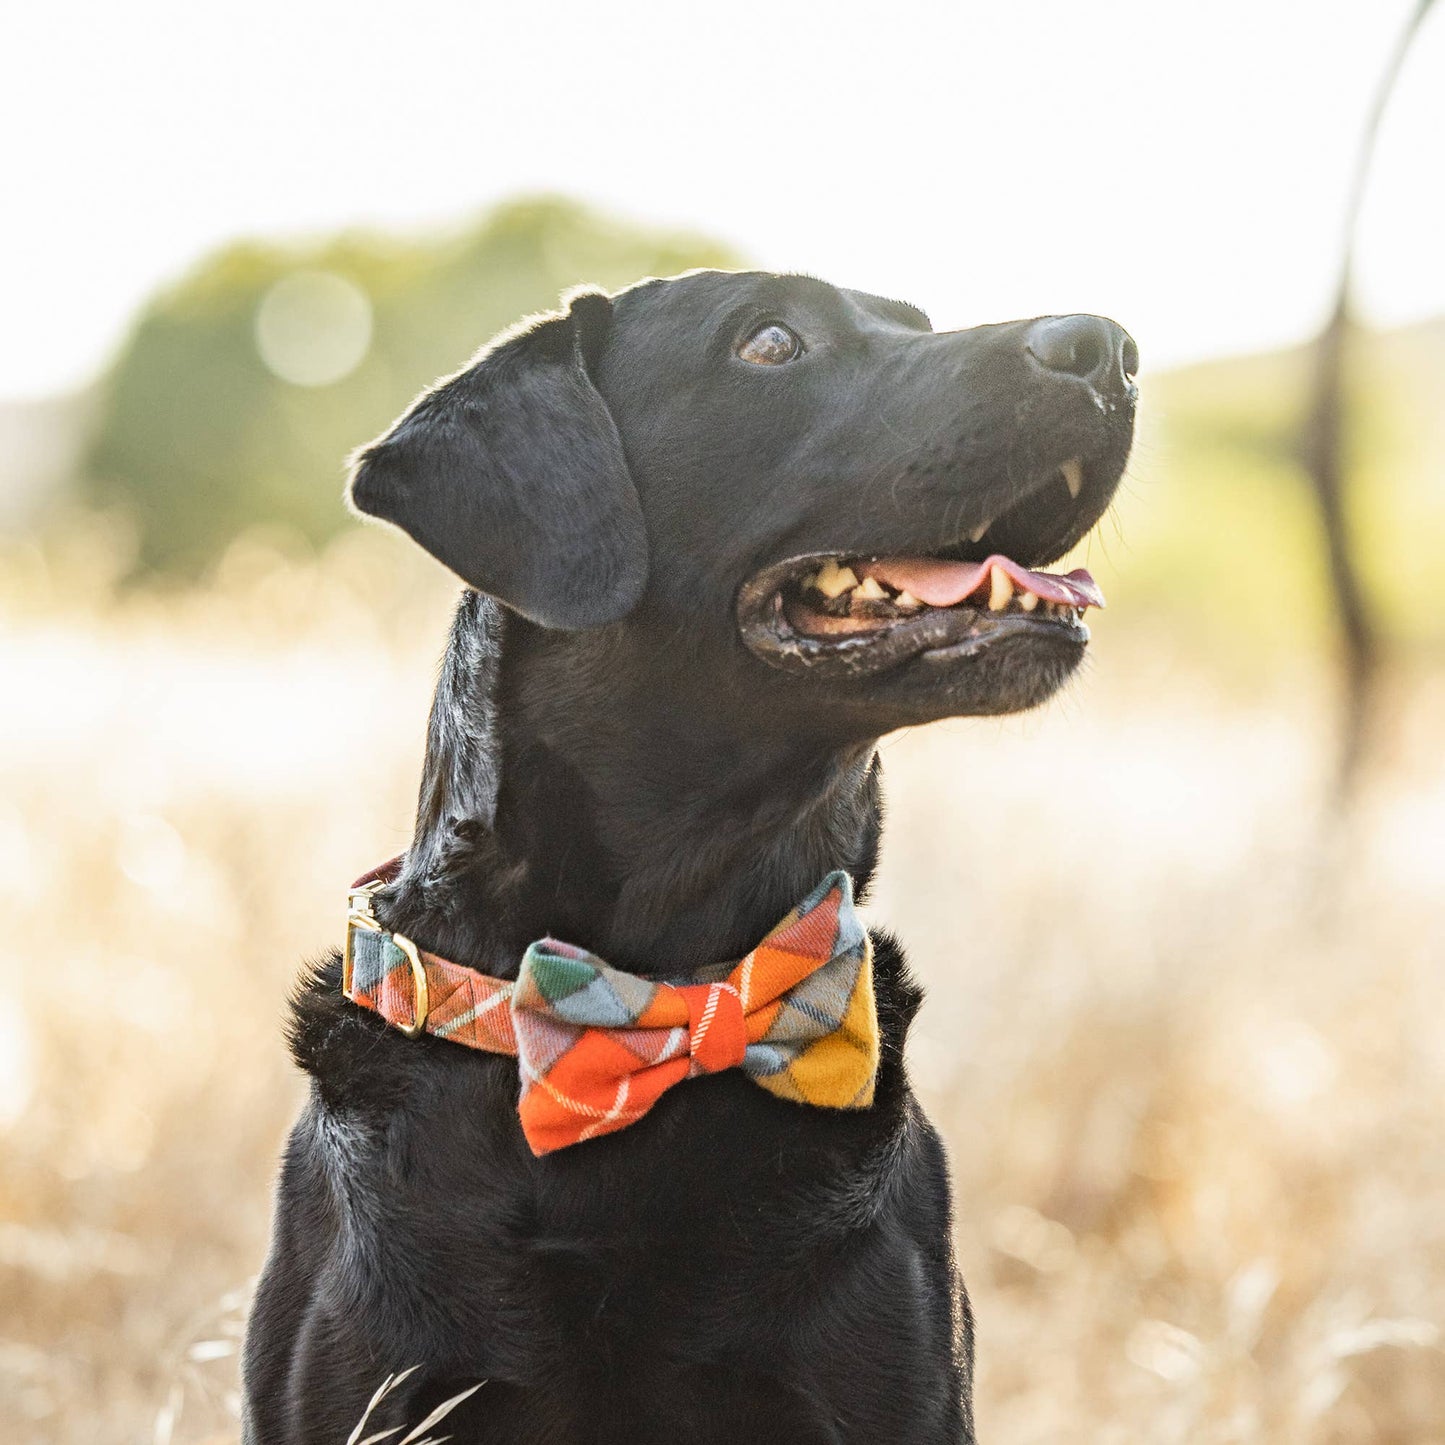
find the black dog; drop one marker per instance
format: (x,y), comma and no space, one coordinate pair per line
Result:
(654,733)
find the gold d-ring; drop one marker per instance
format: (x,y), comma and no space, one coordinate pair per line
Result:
(421,998)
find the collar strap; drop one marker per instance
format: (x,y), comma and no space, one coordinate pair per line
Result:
(597,1047)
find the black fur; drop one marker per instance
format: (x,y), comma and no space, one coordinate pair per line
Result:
(606,762)
(513,475)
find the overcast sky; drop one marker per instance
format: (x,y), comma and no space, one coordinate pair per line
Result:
(1181,166)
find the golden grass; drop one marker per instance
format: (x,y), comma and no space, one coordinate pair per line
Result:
(1186,1040)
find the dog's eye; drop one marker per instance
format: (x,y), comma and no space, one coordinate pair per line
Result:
(771,345)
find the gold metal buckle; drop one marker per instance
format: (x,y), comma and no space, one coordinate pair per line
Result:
(360,914)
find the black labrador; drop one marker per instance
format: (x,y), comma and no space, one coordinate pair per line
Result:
(720,533)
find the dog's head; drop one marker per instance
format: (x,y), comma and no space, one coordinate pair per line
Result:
(804,481)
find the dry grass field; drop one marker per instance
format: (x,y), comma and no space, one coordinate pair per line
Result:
(1186,1036)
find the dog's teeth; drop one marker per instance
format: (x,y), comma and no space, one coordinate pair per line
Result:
(870,589)
(833,581)
(1073,474)
(977,534)
(1000,589)
(907,601)
(1028,601)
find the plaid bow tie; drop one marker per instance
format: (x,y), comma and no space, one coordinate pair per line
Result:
(598,1047)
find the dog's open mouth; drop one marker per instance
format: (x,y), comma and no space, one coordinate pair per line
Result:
(867,613)
(842,599)
(853,614)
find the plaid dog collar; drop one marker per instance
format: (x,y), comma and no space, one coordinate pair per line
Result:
(597,1047)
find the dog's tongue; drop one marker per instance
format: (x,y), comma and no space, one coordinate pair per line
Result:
(945,584)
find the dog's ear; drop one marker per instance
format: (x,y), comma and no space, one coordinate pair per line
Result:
(512,474)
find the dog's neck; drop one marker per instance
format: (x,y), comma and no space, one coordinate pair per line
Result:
(560,796)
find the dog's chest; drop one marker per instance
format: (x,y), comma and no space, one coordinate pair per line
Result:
(674,1235)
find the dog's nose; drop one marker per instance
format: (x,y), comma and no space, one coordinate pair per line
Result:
(1097,350)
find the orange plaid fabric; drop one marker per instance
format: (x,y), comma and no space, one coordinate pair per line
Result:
(597,1047)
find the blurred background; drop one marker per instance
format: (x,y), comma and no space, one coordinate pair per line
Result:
(1183,931)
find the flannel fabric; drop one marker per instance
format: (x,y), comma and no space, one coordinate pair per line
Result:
(597,1047)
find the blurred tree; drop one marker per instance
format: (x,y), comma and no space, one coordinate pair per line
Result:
(1321,451)
(241,390)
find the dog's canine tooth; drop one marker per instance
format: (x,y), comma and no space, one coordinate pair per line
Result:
(1000,589)
(907,601)
(870,589)
(833,581)
(977,534)
(1028,601)
(1073,475)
